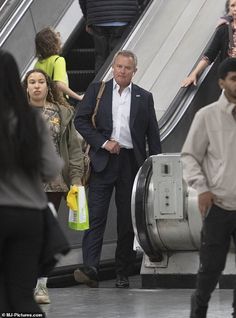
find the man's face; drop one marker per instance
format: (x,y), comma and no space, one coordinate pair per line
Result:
(229,85)
(123,70)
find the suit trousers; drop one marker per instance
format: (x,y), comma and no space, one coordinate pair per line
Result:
(218,228)
(21,239)
(105,40)
(119,174)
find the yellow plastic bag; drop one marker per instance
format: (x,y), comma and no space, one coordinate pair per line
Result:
(78,213)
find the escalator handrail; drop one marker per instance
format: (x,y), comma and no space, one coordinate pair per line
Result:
(182,100)
(13,17)
(7,8)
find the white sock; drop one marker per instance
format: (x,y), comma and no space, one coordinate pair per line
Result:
(42,281)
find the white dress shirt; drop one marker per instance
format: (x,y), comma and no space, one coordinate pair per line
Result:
(121,116)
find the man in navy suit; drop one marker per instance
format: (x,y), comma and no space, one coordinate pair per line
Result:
(125,122)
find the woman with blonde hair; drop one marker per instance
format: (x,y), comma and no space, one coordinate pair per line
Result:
(43,95)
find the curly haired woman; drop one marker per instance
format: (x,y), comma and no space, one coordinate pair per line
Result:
(43,94)
(48,48)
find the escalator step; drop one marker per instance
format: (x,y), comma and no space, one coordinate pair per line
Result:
(79,80)
(80,59)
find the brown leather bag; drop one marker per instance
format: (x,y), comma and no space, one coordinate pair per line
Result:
(86,146)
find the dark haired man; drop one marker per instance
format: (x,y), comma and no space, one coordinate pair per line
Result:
(208,157)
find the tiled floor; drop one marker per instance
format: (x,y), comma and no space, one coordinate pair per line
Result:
(108,302)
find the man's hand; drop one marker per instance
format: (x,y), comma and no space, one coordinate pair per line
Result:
(112,146)
(205,201)
(191,79)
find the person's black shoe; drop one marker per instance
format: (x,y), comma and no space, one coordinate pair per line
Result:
(87,275)
(122,281)
(197,311)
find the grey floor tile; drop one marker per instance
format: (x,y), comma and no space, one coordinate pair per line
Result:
(109,302)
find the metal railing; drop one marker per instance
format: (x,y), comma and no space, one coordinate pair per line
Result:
(11,13)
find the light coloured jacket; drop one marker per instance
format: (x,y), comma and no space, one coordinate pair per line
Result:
(209,153)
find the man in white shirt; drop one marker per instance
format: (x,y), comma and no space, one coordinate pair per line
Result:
(208,158)
(125,120)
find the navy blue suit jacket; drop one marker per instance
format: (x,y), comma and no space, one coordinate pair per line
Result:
(143,124)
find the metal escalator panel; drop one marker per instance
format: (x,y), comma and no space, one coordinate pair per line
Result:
(11,13)
(164,211)
(2,4)
(7,9)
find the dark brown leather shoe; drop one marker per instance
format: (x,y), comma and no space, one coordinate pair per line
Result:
(87,275)
(122,281)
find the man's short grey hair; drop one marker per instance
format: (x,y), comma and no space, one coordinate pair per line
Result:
(126,53)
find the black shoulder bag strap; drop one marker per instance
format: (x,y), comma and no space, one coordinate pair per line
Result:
(54,67)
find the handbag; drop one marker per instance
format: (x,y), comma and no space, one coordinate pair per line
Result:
(86,146)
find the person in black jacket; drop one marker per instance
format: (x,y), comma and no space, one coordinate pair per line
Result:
(220,44)
(125,120)
(27,159)
(107,20)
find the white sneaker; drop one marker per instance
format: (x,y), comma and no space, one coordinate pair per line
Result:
(41,295)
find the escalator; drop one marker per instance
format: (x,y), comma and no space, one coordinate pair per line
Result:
(80,60)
